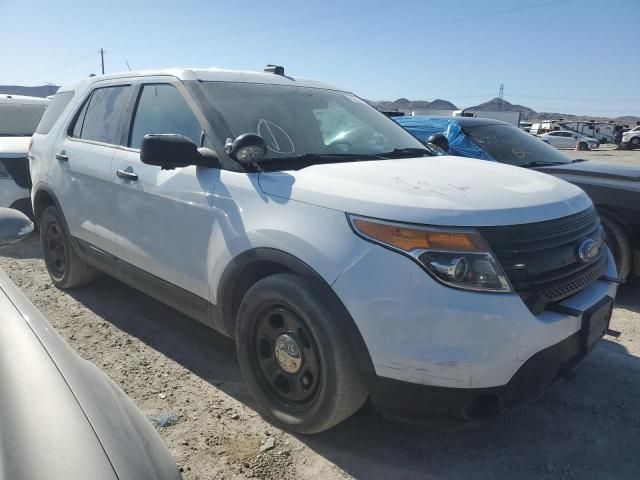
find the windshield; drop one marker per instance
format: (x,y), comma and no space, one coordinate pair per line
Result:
(509,144)
(297,121)
(19,119)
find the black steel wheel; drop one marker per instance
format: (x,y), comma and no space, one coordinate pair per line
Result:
(54,249)
(65,267)
(287,357)
(294,355)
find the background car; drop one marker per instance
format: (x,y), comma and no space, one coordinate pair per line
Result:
(61,417)
(568,139)
(19,117)
(613,188)
(631,139)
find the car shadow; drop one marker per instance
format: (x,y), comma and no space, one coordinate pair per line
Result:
(25,249)
(628,296)
(596,411)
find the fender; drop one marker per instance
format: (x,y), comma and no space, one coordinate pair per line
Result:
(255,264)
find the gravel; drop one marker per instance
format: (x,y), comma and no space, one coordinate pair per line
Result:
(185,377)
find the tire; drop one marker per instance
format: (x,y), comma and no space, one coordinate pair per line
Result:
(634,142)
(327,386)
(583,146)
(619,242)
(65,267)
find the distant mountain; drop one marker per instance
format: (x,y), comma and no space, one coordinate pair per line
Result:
(493,105)
(497,105)
(39,91)
(404,104)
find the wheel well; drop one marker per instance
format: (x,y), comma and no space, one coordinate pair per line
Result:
(246,278)
(254,265)
(42,200)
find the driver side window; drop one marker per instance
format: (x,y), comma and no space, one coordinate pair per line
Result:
(162,109)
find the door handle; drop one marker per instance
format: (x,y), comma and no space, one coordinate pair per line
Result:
(62,157)
(127,175)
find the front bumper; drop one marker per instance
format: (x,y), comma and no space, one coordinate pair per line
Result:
(432,345)
(422,402)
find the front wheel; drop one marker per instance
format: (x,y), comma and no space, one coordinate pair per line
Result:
(294,356)
(619,242)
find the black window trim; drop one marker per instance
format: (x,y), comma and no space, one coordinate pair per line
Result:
(184,93)
(87,99)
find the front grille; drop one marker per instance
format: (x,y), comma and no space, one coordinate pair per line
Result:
(18,168)
(541,258)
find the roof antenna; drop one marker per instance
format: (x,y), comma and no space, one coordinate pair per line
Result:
(275,69)
(128,66)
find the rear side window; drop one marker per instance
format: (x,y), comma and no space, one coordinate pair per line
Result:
(162,109)
(99,119)
(53,111)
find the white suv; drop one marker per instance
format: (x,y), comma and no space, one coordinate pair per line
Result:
(345,259)
(19,116)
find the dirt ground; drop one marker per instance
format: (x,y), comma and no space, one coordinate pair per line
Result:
(607,153)
(186,377)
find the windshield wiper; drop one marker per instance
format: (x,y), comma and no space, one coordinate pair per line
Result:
(313,157)
(411,151)
(578,160)
(541,163)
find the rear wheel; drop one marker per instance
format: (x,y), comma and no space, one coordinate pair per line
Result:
(619,242)
(65,267)
(294,357)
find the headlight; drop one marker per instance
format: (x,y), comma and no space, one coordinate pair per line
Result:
(458,257)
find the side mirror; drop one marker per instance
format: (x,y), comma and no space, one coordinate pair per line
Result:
(14,226)
(247,148)
(167,150)
(439,141)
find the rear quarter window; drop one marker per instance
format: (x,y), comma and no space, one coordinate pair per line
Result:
(53,111)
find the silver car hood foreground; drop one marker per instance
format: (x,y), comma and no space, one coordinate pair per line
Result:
(431,190)
(61,417)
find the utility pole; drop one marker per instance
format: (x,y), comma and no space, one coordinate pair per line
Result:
(102,59)
(501,95)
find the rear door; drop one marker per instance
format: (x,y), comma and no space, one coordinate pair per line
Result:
(82,165)
(164,219)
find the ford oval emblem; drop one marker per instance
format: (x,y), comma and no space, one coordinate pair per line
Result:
(588,250)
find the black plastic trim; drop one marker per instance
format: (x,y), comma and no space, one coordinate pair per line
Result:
(176,297)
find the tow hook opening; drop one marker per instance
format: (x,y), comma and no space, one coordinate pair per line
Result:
(484,406)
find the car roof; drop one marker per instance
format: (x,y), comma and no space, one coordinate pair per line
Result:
(204,75)
(466,121)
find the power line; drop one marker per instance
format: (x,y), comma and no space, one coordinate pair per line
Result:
(59,67)
(441,22)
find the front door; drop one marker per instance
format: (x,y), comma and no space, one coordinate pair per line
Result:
(164,219)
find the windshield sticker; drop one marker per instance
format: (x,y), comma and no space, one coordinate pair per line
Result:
(277,140)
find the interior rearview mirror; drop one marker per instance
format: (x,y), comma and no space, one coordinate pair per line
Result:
(14,226)
(168,150)
(440,141)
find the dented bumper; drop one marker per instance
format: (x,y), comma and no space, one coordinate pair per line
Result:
(424,334)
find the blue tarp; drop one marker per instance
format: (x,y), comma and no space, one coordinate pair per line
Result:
(459,144)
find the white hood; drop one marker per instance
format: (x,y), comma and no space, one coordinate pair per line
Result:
(14,147)
(431,190)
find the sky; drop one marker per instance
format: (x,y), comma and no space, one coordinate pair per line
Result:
(568,56)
